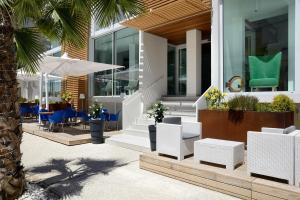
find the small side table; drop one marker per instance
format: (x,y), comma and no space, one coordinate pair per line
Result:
(228,153)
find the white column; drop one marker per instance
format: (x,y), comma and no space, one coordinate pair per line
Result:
(41,89)
(41,93)
(297,46)
(46,91)
(194,59)
(216,34)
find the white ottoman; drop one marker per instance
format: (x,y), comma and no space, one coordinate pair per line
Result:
(223,152)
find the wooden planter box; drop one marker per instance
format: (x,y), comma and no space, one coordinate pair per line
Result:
(234,125)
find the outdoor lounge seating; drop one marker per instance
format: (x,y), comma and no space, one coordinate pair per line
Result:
(271,153)
(177,140)
(265,71)
(223,152)
(57,119)
(297,159)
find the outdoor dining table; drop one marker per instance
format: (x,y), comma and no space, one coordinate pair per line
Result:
(46,113)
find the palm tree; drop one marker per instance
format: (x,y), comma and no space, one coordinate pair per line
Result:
(23,23)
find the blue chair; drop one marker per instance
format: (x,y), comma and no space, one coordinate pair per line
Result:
(43,118)
(84,118)
(25,110)
(70,114)
(115,118)
(35,111)
(58,117)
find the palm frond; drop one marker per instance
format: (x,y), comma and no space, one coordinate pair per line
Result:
(74,26)
(4,3)
(27,9)
(107,12)
(29,49)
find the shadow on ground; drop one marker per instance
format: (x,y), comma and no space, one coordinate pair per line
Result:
(67,176)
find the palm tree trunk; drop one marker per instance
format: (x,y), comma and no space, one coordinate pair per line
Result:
(12,179)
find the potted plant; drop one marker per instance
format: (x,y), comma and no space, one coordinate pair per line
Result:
(156,111)
(96,123)
(232,119)
(66,97)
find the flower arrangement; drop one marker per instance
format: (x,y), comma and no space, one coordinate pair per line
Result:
(66,96)
(95,110)
(157,111)
(215,99)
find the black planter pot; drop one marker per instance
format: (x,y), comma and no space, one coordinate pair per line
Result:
(152,136)
(96,128)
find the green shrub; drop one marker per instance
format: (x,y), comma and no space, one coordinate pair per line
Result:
(282,103)
(264,107)
(243,102)
(22,100)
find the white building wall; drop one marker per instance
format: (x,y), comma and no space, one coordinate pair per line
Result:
(153,68)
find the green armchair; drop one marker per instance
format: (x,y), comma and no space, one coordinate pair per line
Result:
(265,71)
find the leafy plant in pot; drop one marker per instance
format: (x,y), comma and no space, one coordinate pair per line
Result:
(157,112)
(96,123)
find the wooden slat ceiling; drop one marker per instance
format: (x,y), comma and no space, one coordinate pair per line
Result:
(172,18)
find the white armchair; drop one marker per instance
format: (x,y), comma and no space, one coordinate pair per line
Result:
(271,154)
(177,140)
(297,159)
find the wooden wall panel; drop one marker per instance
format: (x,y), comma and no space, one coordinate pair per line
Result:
(77,85)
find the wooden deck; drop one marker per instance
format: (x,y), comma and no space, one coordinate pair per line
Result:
(71,135)
(235,183)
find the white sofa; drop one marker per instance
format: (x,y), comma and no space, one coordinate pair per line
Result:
(177,140)
(297,159)
(272,153)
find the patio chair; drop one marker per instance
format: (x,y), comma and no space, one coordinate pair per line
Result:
(177,140)
(115,118)
(84,118)
(70,114)
(265,71)
(57,119)
(172,120)
(43,118)
(297,159)
(271,153)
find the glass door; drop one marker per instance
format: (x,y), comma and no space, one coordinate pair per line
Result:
(177,70)
(181,72)
(172,70)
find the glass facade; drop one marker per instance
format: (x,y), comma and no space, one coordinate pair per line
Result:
(259,45)
(119,48)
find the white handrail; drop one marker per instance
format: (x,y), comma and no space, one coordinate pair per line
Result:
(201,102)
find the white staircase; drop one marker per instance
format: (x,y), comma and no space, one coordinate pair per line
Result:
(136,136)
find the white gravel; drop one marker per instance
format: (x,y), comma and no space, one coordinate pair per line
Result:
(35,192)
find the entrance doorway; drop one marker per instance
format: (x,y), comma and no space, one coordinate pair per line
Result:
(177,70)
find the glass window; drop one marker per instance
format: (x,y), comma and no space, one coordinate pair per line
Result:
(126,79)
(259,45)
(120,48)
(103,54)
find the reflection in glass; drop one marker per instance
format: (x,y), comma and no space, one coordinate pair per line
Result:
(120,48)
(182,72)
(171,70)
(103,54)
(259,40)
(127,53)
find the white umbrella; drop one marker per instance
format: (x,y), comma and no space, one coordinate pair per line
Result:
(65,66)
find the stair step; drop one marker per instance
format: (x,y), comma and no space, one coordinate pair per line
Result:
(136,132)
(135,143)
(179,98)
(140,126)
